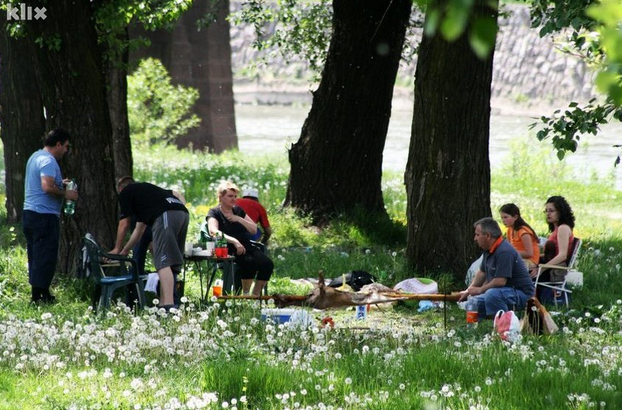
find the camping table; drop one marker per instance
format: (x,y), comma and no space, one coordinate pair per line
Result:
(206,265)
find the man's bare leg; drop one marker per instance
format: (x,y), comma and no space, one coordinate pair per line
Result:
(166,286)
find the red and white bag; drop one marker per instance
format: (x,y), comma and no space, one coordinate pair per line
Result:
(507,325)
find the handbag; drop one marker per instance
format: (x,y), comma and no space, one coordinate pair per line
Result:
(537,320)
(507,325)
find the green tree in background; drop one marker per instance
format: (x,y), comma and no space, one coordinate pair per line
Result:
(159,111)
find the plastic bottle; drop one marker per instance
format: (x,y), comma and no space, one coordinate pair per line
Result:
(204,235)
(471,312)
(70,206)
(361,312)
(223,245)
(217,288)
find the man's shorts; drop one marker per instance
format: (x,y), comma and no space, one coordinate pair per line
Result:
(169,237)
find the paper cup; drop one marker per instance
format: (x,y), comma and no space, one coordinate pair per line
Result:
(188,248)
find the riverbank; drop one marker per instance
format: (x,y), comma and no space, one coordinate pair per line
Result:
(530,75)
(299,94)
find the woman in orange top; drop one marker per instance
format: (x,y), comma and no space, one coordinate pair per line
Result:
(521,235)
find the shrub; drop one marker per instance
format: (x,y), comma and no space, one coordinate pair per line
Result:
(159,112)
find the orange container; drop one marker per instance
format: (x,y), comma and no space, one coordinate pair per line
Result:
(471,316)
(217,290)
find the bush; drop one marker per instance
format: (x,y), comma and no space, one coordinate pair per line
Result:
(159,112)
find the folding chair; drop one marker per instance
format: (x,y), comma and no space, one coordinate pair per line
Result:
(560,288)
(108,284)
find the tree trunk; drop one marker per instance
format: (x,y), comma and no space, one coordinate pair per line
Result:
(116,78)
(73,88)
(21,116)
(448,172)
(336,165)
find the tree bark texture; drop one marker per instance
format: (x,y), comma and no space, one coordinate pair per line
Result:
(448,171)
(116,78)
(336,165)
(73,88)
(21,116)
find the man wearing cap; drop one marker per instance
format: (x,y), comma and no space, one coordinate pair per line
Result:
(250,204)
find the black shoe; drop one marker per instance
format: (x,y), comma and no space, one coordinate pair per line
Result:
(48,297)
(37,295)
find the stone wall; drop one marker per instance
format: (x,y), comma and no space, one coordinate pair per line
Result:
(529,72)
(530,68)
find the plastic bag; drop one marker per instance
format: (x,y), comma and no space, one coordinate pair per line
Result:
(417,285)
(507,325)
(356,279)
(537,319)
(473,270)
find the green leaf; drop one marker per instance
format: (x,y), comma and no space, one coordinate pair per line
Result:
(483,36)
(432,17)
(454,23)
(605,80)
(615,91)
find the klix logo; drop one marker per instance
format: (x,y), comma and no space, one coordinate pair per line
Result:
(24,12)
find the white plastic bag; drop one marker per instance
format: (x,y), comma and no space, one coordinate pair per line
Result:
(414,285)
(507,325)
(473,270)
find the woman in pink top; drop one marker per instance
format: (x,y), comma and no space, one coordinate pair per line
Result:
(521,235)
(558,247)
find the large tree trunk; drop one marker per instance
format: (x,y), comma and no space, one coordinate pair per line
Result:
(73,89)
(336,165)
(116,78)
(448,172)
(21,116)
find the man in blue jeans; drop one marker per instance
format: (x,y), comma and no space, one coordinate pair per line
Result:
(502,281)
(44,195)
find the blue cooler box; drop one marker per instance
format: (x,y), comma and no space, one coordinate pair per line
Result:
(294,316)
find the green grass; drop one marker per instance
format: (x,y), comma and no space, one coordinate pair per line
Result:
(221,354)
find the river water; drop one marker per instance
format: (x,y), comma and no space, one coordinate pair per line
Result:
(273,128)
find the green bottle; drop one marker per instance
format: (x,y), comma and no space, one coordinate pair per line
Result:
(204,235)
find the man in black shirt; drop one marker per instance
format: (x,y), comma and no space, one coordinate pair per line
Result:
(164,211)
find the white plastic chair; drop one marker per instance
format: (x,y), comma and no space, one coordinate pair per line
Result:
(572,275)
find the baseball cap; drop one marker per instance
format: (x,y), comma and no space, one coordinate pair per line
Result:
(252,192)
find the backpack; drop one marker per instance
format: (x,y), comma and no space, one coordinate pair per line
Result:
(356,279)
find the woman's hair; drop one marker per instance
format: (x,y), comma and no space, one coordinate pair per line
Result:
(566,216)
(225,186)
(512,210)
